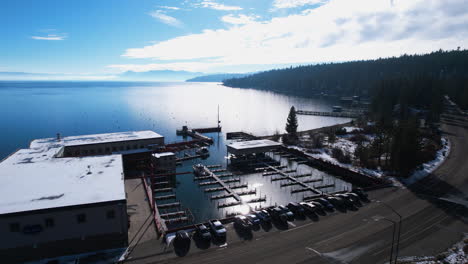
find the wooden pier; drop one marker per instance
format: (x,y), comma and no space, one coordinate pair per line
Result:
(169,205)
(163,190)
(331,114)
(189,157)
(240,135)
(293,181)
(165,197)
(224,186)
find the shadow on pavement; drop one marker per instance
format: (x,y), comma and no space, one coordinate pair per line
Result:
(201,243)
(181,251)
(314,217)
(266,226)
(244,234)
(280,225)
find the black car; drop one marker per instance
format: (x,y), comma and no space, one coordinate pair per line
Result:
(296,208)
(241,223)
(325,203)
(362,195)
(287,212)
(336,201)
(217,229)
(182,240)
(253,219)
(346,200)
(354,198)
(263,216)
(277,214)
(202,232)
(309,208)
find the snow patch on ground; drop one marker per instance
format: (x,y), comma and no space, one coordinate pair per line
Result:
(109,256)
(351,129)
(323,154)
(455,255)
(430,166)
(348,147)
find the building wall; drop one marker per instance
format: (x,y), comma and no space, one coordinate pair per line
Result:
(56,232)
(112,147)
(165,163)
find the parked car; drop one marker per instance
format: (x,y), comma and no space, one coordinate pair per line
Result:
(296,208)
(354,198)
(336,201)
(182,240)
(325,203)
(277,214)
(242,223)
(203,232)
(318,206)
(253,219)
(287,212)
(263,216)
(217,229)
(362,195)
(309,208)
(346,200)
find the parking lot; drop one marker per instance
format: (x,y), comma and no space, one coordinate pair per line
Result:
(234,236)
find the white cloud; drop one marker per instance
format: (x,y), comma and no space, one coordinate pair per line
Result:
(169,7)
(296,3)
(217,6)
(340,30)
(49,37)
(176,66)
(238,20)
(166,19)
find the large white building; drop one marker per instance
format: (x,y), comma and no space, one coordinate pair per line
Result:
(66,196)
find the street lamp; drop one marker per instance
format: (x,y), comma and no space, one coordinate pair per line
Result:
(393,235)
(399,228)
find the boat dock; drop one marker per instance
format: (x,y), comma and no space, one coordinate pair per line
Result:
(292,180)
(188,157)
(240,135)
(331,114)
(209,173)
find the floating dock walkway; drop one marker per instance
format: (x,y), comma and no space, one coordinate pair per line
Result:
(293,180)
(205,173)
(331,114)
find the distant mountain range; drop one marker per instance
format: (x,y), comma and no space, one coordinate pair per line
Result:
(220,77)
(161,76)
(148,76)
(21,75)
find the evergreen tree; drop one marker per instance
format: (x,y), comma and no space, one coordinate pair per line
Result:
(291,123)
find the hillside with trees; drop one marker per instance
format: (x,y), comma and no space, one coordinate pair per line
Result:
(410,78)
(403,91)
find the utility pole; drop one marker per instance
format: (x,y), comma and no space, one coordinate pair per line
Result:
(399,228)
(393,238)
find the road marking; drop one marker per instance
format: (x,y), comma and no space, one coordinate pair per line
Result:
(291,224)
(412,232)
(291,229)
(315,251)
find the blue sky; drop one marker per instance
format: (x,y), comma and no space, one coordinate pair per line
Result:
(104,38)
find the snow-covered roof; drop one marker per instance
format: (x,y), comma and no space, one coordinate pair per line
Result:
(252,146)
(95,139)
(34,179)
(163,154)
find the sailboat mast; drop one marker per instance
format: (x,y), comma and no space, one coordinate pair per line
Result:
(218,116)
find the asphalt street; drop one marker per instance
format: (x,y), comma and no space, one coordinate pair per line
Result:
(434,217)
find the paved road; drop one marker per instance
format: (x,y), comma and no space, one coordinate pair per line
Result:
(433,220)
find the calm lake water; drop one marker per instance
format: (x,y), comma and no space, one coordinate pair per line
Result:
(31,110)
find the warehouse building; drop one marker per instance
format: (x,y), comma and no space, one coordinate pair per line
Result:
(66,196)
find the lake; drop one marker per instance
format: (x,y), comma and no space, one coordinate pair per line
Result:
(31,110)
